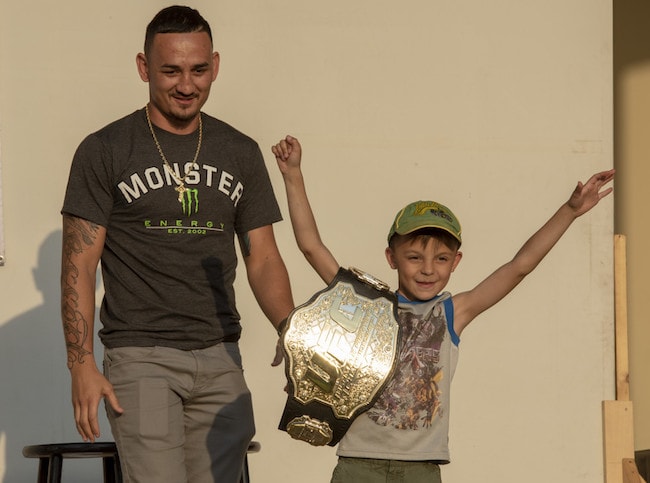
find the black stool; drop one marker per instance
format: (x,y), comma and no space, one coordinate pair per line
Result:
(51,456)
(253,447)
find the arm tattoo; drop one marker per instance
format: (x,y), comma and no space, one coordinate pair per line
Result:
(245,244)
(79,235)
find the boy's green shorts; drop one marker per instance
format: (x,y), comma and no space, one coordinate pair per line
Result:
(367,470)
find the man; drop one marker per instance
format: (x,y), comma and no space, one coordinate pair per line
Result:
(158,196)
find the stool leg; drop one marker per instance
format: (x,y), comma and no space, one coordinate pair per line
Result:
(109,470)
(55,470)
(245,477)
(43,468)
(118,469)
(108,463)
(112,471)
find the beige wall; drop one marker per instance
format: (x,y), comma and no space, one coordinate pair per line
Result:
(632,145)
(496,109)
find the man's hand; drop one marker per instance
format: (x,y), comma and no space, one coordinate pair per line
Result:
(89,386)
(279,354)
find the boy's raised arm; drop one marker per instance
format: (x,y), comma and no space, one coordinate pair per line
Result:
(288,154)
(468,305)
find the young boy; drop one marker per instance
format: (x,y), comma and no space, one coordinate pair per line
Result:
(406,430)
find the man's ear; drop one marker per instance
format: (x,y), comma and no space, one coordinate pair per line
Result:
(390,257)
(216,58)
(143,68)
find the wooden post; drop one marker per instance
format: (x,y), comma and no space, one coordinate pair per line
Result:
(618,421)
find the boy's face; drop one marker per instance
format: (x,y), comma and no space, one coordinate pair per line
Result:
(423,267)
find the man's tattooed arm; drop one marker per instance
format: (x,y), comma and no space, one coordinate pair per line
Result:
(245,244)
(267,274)
(83,243)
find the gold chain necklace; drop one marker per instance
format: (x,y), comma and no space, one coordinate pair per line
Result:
(181,181)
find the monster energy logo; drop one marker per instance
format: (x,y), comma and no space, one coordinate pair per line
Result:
(190,201)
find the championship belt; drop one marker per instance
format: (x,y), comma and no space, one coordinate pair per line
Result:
(340,348)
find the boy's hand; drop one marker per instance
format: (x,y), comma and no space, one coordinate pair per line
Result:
(587,195)
(287,153)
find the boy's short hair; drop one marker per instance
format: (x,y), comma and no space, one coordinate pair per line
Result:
(176,19)
(419,215)
(423,235)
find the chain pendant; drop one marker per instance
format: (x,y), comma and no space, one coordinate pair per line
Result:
(181,191)
(181,187)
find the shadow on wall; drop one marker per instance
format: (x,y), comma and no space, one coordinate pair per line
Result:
(35,403)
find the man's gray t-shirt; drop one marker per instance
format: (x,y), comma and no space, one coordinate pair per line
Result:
(169,266)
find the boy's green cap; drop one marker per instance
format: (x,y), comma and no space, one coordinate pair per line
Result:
(425,214)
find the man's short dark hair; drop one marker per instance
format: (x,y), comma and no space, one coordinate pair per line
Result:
(176,19)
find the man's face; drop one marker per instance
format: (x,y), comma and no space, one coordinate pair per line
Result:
(180,69)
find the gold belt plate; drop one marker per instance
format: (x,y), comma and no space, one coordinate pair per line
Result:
(341,349)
